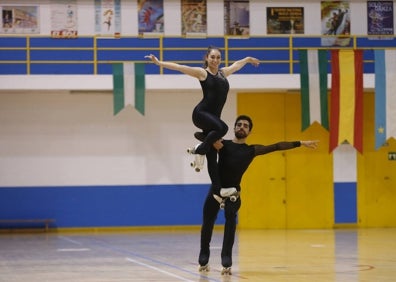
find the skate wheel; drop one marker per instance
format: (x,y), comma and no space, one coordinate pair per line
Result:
(192,164)
(197,169)
(233,199)
(222,206)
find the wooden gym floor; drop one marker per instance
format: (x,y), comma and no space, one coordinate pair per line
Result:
(171,255)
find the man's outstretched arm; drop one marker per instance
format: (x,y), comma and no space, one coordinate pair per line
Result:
(284,145)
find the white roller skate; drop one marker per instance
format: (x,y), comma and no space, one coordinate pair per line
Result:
(203,260)
(204,268)
(199,160)
(231,193)
(192,150)
(220,200)
(226,261)
(226,271)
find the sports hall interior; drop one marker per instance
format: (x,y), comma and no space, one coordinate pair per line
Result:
(86,195)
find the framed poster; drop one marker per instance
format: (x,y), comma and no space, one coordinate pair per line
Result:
(194,17)
(336,23)
(151,16)
(64,19)
(18,19)
(236,17)
(285,20)
(380,18)
(108,17)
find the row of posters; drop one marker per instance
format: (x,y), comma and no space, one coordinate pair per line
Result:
(335,18)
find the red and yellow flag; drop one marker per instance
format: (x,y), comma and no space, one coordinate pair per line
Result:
(346,112)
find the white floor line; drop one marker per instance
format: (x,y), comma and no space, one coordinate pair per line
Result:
(73,250)
(157,269)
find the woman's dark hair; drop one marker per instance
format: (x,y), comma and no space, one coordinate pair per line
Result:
(244,117)
(210,48)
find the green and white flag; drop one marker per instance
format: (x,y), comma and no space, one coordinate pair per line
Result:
(128,86)
(313,78)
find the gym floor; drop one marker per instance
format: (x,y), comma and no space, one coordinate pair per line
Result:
(171,255)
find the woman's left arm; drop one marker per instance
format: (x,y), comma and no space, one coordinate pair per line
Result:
(236,66)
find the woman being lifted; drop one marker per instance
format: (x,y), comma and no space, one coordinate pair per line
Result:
(213,79)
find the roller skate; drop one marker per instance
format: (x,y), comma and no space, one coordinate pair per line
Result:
(231,193)
(193,149)
(204,268)
(199,160)
(226,261)
(203,261)
(226,271)
(220,200)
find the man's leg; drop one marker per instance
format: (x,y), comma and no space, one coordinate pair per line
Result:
(213,171)
(230,211)
(210,211)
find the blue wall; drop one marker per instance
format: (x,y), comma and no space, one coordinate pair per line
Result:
(107,206)
(93,55)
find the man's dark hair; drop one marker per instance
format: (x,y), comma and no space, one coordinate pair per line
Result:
(244,117)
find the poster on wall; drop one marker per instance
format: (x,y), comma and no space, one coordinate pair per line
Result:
(336,23)
(285,20)
(20,19)
(64,19)
(151,16)
(236,17)
(108,17)
(194,17)
(380,18)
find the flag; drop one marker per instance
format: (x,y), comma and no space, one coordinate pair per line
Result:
(128,86)
(313,81)
(385,98)
(346,112)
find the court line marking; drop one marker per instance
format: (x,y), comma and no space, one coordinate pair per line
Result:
(73,250)
(158,269)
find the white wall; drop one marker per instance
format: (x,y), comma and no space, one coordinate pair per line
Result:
(176,82)
(72,138)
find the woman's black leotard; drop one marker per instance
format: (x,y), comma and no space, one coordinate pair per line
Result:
(206,115)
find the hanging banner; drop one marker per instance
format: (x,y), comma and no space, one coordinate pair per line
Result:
(194,17)
(236,17)
(108,17)
(20,19)
(285,20)
(151,16)
(64,19)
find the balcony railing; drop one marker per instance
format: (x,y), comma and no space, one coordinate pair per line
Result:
(29,55)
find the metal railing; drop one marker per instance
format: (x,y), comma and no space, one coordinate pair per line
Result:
(20,54)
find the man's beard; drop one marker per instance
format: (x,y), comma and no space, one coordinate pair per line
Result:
(240,134)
